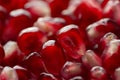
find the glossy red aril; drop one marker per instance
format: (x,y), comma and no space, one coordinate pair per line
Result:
(13,55)
(31,40)
(104,41)
(90,59)
(34,63)
(98,29)
(50,25)
(70,39)
(117,74)
(85,7)
(38,8)
(112,11)
(72,69)
(19,19)
(8,73)
(57,6)
(111,56)
(46,76)
(23,73)
(98,73)
(2,53)
(53,57)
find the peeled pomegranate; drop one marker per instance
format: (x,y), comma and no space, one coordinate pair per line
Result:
(59,39)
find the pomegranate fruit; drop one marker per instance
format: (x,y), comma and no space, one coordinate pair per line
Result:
(59,39)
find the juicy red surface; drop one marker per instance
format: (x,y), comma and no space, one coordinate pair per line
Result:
(71,41)
(86,7)
(31,60)
(31,41)
(59,39)
(57,6)
(14,26)
(53,57)
(72,69)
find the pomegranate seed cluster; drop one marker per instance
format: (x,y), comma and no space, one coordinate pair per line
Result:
(59,39)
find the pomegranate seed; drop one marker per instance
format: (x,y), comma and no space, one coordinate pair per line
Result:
(46,76)
(85,7)
(72,69)
(38,8)
(19,20)
(56,6)
(50,25)
(111,56)
(104,41)
(111,10)
(98,29)
(52,53)
(31,40)
(13,55)
(70,39)
(90,59)
(117,74)
(98,73)
(34,63)
(23,73)
(8,73)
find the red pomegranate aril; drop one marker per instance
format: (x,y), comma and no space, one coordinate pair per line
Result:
(53,57)
(111,56)
(31,40)
(13,55)
(90,59)
(46,76)
(34,63)
(117,74)
(50,25)
(98,73)
(85,11)
(112,11)
(56,6)
(72,69)
(38,8)
(23,73)
(19,19)
(70,39)
(8,73)
(97,30)
(104,41)
(2,53)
